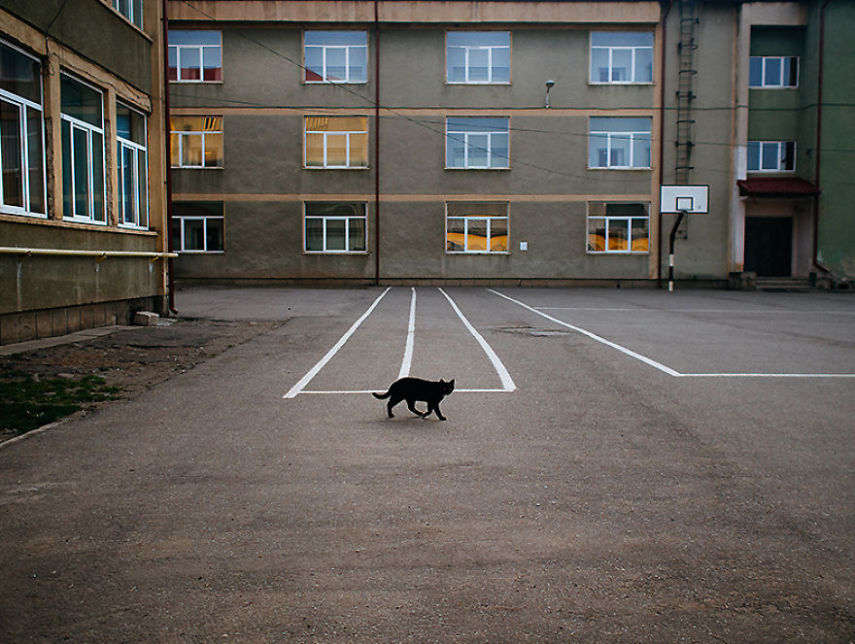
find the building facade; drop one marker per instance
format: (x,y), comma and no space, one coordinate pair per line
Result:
(507,142)
(83,215)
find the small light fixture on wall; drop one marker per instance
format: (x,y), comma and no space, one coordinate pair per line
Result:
(549,85)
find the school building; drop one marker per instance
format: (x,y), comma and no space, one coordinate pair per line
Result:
(83,214)
(405,141)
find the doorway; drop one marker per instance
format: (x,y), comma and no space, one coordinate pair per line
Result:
(769,246)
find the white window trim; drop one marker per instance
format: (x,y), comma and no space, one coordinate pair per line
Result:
(141,216)
(489,219)
(467,68)
(632,139)
(348,134)
(130,19)
(75,123)
(781,146)
(23,104)
(780,85)
(633,72)
(204,220)
(200,48)
(345,218)
(325,80)
(202,133)
(626,221)
(466,134)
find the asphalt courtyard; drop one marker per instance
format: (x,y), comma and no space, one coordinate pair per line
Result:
(617,466)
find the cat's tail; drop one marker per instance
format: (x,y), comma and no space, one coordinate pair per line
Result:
(381,396)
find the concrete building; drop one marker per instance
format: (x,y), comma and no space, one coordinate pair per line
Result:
(509,142)
(82,200)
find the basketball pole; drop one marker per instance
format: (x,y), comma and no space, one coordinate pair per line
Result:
(671,239)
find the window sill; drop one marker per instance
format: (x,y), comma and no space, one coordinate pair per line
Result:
(317,167)
(622,84)
(621,169)
(196,167)
(450,169)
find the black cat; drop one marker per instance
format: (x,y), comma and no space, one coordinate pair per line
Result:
(413,389)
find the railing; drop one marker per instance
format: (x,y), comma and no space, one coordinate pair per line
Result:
(98,254)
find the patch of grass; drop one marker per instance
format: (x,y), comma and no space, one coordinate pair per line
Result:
(28,402)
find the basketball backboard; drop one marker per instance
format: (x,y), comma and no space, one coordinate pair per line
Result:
(689,199)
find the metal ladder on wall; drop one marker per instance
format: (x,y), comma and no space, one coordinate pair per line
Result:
(685,91)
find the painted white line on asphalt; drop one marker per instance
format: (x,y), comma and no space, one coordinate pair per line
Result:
(656,365)
(767,375)
(504,376)
(305,380)
(662,367)
(407,362)
(345,392)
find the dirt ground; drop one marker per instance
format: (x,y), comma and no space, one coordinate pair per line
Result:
(136,358)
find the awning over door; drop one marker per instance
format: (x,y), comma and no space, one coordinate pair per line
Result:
(776,187)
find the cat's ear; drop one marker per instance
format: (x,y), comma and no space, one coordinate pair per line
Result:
(451,382)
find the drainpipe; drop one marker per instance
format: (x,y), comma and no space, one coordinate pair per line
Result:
(662,138)
(170,275)
(815,258)
(376,142)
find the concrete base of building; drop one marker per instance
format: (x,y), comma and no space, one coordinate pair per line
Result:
(23,326)
(452,282)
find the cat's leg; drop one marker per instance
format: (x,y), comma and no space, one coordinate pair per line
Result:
(435,407)
(411,405)
(393,400)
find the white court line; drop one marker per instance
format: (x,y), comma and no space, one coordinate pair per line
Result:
(407,362)
(361,392)
(504,376)
(662,367)
(296,389)
(609,343)
(730,311)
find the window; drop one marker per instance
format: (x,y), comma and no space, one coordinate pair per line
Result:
(195,56)
(477,143)
(621,57)
(336,142)
(22,157)
(130,9)
(619,143)
(82,151)
(476,227)
(336,56)
(132,162)
(197,226)
(773,71)
(196,141)
(478,57)
(618,227)
(771,156)
(335,228)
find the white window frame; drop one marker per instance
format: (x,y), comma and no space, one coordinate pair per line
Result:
(348,50)
(781,84)
(610,136)
(348,134)
(467,135)
(634,72)
(23,104)
(76,124)
(139,216)
(131,12)
(780,155)
(625,222)
(182,134)
(467,51)
(489,219)
(179,243)
(201,51)
(346,219)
